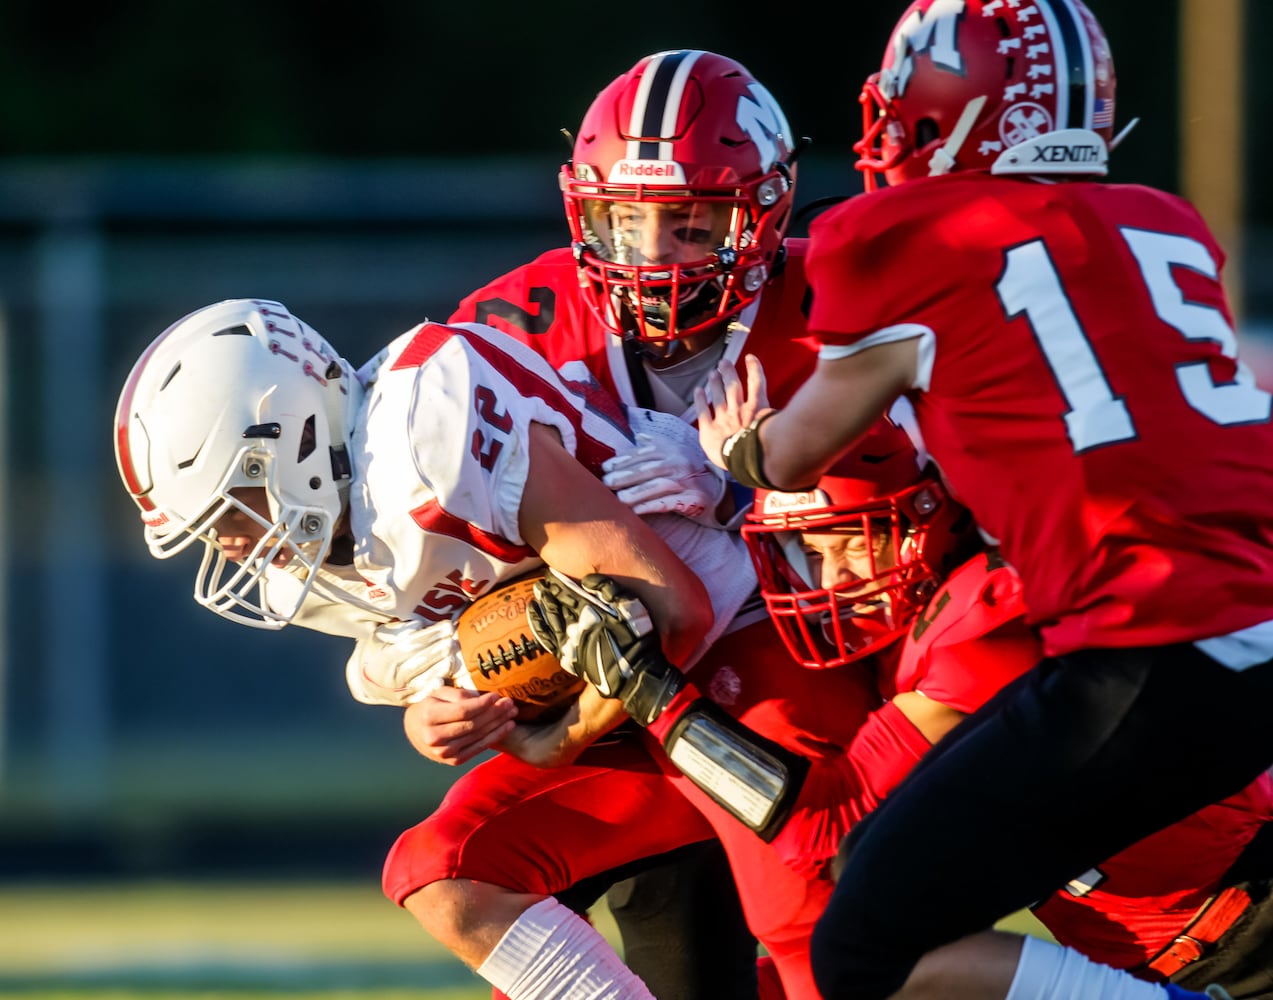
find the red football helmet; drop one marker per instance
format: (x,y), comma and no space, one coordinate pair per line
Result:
(1011,86)
(894,533)
(678,194)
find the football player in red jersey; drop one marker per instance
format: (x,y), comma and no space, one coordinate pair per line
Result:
(686,135)
(1179,905)
(876,554)
(1070,355)
(678,195)
(678,198)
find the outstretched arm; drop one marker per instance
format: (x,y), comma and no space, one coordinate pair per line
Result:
(602,633)
(791,448)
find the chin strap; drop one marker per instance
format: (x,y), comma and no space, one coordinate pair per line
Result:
(943,160)
(1117,140)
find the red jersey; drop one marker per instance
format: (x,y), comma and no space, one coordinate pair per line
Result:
(971,641)
(1079,389)
(542,305)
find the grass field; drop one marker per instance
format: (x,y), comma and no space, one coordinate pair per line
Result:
(245,941)
(164,941)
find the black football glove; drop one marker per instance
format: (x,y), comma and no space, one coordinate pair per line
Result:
(600,632)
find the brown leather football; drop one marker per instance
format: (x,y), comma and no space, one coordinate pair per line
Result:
(501,653)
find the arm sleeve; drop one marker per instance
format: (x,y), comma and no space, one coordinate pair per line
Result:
(839,792)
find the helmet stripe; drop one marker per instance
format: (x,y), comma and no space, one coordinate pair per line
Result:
(658,103)
(1073,64)
(123,415)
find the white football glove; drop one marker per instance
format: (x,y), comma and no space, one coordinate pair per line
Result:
(401,662)
(665,476)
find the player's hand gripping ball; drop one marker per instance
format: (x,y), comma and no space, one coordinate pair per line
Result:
(501,653)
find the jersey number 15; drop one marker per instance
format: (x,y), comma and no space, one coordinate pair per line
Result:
(1030,286)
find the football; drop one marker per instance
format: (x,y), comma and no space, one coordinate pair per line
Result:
(501,654)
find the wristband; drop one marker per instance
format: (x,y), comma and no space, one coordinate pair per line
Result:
(646,695)
(743,457)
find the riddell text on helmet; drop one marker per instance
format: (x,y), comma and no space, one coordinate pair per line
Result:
(661,170)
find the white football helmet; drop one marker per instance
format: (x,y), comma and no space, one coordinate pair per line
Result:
(236,395)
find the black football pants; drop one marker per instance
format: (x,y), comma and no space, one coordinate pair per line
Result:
(1065,767)
(681,923)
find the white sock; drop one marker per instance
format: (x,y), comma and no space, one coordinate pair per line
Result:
(1049,972)
(551,953)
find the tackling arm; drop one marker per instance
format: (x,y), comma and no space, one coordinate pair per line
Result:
(789,449)
(603,634)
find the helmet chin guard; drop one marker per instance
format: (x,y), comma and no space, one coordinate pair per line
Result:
(240,411)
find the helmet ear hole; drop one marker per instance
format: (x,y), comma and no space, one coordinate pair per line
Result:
(926,131)
(309,439)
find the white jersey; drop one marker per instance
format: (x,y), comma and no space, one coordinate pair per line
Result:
(440,455)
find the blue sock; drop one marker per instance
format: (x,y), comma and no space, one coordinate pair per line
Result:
(1175,992)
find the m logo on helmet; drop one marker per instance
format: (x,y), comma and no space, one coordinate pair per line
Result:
(763,121)
(933,32)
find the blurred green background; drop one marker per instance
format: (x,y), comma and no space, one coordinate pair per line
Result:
(261,938)
(367,165)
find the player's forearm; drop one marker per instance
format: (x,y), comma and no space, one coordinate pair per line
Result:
(641,562)
(597,716)
(561,742)
(579,527)
(837,404)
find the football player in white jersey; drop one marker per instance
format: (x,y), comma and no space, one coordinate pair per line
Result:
(375,504)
